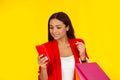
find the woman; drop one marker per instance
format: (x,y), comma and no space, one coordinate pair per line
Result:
(64,50)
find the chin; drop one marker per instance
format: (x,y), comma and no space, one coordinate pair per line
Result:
(56,38)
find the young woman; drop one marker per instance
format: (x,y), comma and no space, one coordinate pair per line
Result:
(64,50)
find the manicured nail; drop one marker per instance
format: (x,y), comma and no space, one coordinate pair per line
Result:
(41,55)
(46,58)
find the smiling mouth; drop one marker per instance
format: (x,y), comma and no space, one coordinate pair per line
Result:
(55,35)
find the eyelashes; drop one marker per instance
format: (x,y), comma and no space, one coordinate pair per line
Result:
(58,27)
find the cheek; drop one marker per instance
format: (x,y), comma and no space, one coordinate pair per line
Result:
(64,31)
(50,31)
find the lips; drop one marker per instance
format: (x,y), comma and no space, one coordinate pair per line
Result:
(55,35)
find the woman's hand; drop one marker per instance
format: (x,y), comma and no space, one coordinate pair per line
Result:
(81,49)
(42,61)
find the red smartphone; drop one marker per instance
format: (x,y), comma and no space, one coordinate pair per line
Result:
(42,50)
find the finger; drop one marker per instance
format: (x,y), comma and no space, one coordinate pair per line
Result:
(81,44)
(45,63)
(44,59)
(40,56)
(76,43)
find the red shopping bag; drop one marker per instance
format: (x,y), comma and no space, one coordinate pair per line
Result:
(90,71)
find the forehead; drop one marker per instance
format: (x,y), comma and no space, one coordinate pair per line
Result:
(55,22)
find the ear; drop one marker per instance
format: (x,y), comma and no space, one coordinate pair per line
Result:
(67,28)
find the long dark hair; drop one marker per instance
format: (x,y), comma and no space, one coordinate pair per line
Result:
(66,20)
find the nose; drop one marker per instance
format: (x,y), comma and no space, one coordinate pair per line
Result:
(54,30)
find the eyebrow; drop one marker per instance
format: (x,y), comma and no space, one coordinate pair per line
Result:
(57,25)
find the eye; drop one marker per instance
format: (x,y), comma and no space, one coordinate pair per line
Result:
(59,27)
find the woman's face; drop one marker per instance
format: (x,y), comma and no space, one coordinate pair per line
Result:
(58,29)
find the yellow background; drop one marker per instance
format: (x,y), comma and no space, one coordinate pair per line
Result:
(23,24)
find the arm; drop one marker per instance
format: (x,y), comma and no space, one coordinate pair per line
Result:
(43,74)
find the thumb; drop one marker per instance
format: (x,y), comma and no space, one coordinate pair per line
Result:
(76,43)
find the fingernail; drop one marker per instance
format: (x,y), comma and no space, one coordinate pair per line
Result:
(41,55)
(46,58)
